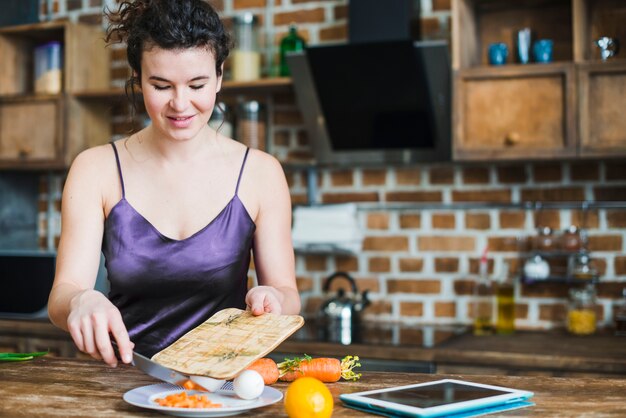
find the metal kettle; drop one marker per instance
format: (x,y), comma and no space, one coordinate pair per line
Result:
(340,315)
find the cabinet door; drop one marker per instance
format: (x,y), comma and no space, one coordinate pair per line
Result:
(602,104)
(30,133)
(512,113)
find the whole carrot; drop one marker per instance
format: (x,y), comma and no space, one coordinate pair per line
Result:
(267,368)
(326,369)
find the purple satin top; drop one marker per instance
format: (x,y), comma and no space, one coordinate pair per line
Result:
(165,287)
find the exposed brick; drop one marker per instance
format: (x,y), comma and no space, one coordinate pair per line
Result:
(389,243)
(547,172)
(378,220)
(446,265)
(291,179)
(463,287)
(556,194)
(429,196)
(443,221)
(408,176)
(379,264)
(600,265)
(475,175)
(584,171)
(413,286)
(585,219)
(374,177)
(615,170)
(341,12)
(217,4)
(287,117)
(302,138)
(410,221)
(512,174)
(304,284)
(445,309)
(346,263)
(334,33)
(314,262)
(474,266)
(73,5)
(503,195)
(411,309)
(512,219)
(379,307)
(299,155)
(248,4)
(342,178)
(281,138)
(451,243)
(430,26)
(616,218)
(441,175)
(299,199)
(499,244)
(605,243)
(313,305)
(553,312)
(521,311)
(551,218)
(367,284)
(544,290)
(411,264)
(610,290)
(610,194)
(620,265)
(480,221)
(300,16)
(441,5)
(411,336)
(349,197)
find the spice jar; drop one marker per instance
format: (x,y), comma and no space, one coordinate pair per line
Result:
(251,124)
(545,240)
(582,268)
(571,240)
(581,313)
(246,64)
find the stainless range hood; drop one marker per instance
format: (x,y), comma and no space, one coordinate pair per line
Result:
(382,97)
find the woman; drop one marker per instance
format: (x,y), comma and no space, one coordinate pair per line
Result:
(175,208)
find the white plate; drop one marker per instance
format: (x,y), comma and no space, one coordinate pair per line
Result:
(144,397)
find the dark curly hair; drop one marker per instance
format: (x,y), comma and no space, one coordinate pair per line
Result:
(168,24)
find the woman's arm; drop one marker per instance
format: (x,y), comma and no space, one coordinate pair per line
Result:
(73,304)
(273,251)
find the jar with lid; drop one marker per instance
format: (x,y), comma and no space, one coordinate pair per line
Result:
(221,120)
(582,267)
(246,64)
(545,239)
(581,312)
(251,124)
(571,240)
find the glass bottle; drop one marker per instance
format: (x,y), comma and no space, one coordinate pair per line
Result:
(620,316)
(505,298)
(246,64)
(251,124)
(484,294)
(582,267)
(292,42)
(581,313)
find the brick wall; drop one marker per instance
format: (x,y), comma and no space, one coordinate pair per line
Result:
(420,265)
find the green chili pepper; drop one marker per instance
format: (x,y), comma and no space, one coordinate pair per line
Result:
(21,356)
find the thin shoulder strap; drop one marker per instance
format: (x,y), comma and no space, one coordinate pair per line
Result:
(245,157)
(119,168)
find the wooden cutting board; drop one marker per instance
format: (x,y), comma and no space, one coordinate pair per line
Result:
(227,343)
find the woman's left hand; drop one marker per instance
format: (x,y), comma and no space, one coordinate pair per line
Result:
(264,299)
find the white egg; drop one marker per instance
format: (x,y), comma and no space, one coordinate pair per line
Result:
(249,384)
(208,383)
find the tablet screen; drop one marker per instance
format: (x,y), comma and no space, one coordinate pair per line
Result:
(435,395)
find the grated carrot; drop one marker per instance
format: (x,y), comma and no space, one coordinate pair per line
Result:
(183,400)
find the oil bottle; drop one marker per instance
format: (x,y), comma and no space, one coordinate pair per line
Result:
(505,301)
(484,294)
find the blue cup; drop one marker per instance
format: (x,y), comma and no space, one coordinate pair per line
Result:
(542,50)
(498,53)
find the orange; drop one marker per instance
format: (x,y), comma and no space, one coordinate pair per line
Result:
(308,397)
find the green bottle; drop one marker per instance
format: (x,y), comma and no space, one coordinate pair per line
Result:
(292,42)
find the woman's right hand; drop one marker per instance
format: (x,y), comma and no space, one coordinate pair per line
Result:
(93,319)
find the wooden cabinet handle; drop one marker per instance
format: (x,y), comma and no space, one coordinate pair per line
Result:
(511,139)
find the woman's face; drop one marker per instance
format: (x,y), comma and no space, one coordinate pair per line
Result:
(179,88)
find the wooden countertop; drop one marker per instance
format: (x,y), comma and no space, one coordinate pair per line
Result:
(58,387)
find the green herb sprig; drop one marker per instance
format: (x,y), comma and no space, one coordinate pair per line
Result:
(21,356)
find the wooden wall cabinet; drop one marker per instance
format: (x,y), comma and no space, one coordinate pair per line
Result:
(564,109)
(47,131)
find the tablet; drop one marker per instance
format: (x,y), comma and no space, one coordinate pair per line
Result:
(432,399)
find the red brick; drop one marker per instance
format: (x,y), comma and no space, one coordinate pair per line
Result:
(620,265)
(341,12)
(73,5)
(346,263)
(248,4)
(299,155)
(413,286)
(441,175)
(441,5)
(545,290)
(386,243)
(378,221)
(463,287)
(411,264)
(585,219)
(430,196)
(445,309)
(610,194)
(616,218)
(610,290)
(556,194)
(480,221)
(512,219)
(482,196)
(512,174)
(547,172)
(281,138)
(615,170)
(474,266)
(349,197)
(410,221)
(605,243)
(313,304)
(217,5)
(300,16)
(379,264)
(342,178)
(379,307)
(503,244)
(374,177)
(552,312)
(299,199)
(304,284)
(315,262)
(287,117)
(551,218)
(430,26)
(584,171)
(334,33)
(521,311)
(411,309)
(408,176)
(443,221)
(302,138)
(447,243)
(446,265)
(475,175)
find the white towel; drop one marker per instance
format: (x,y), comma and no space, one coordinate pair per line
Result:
(327,228)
